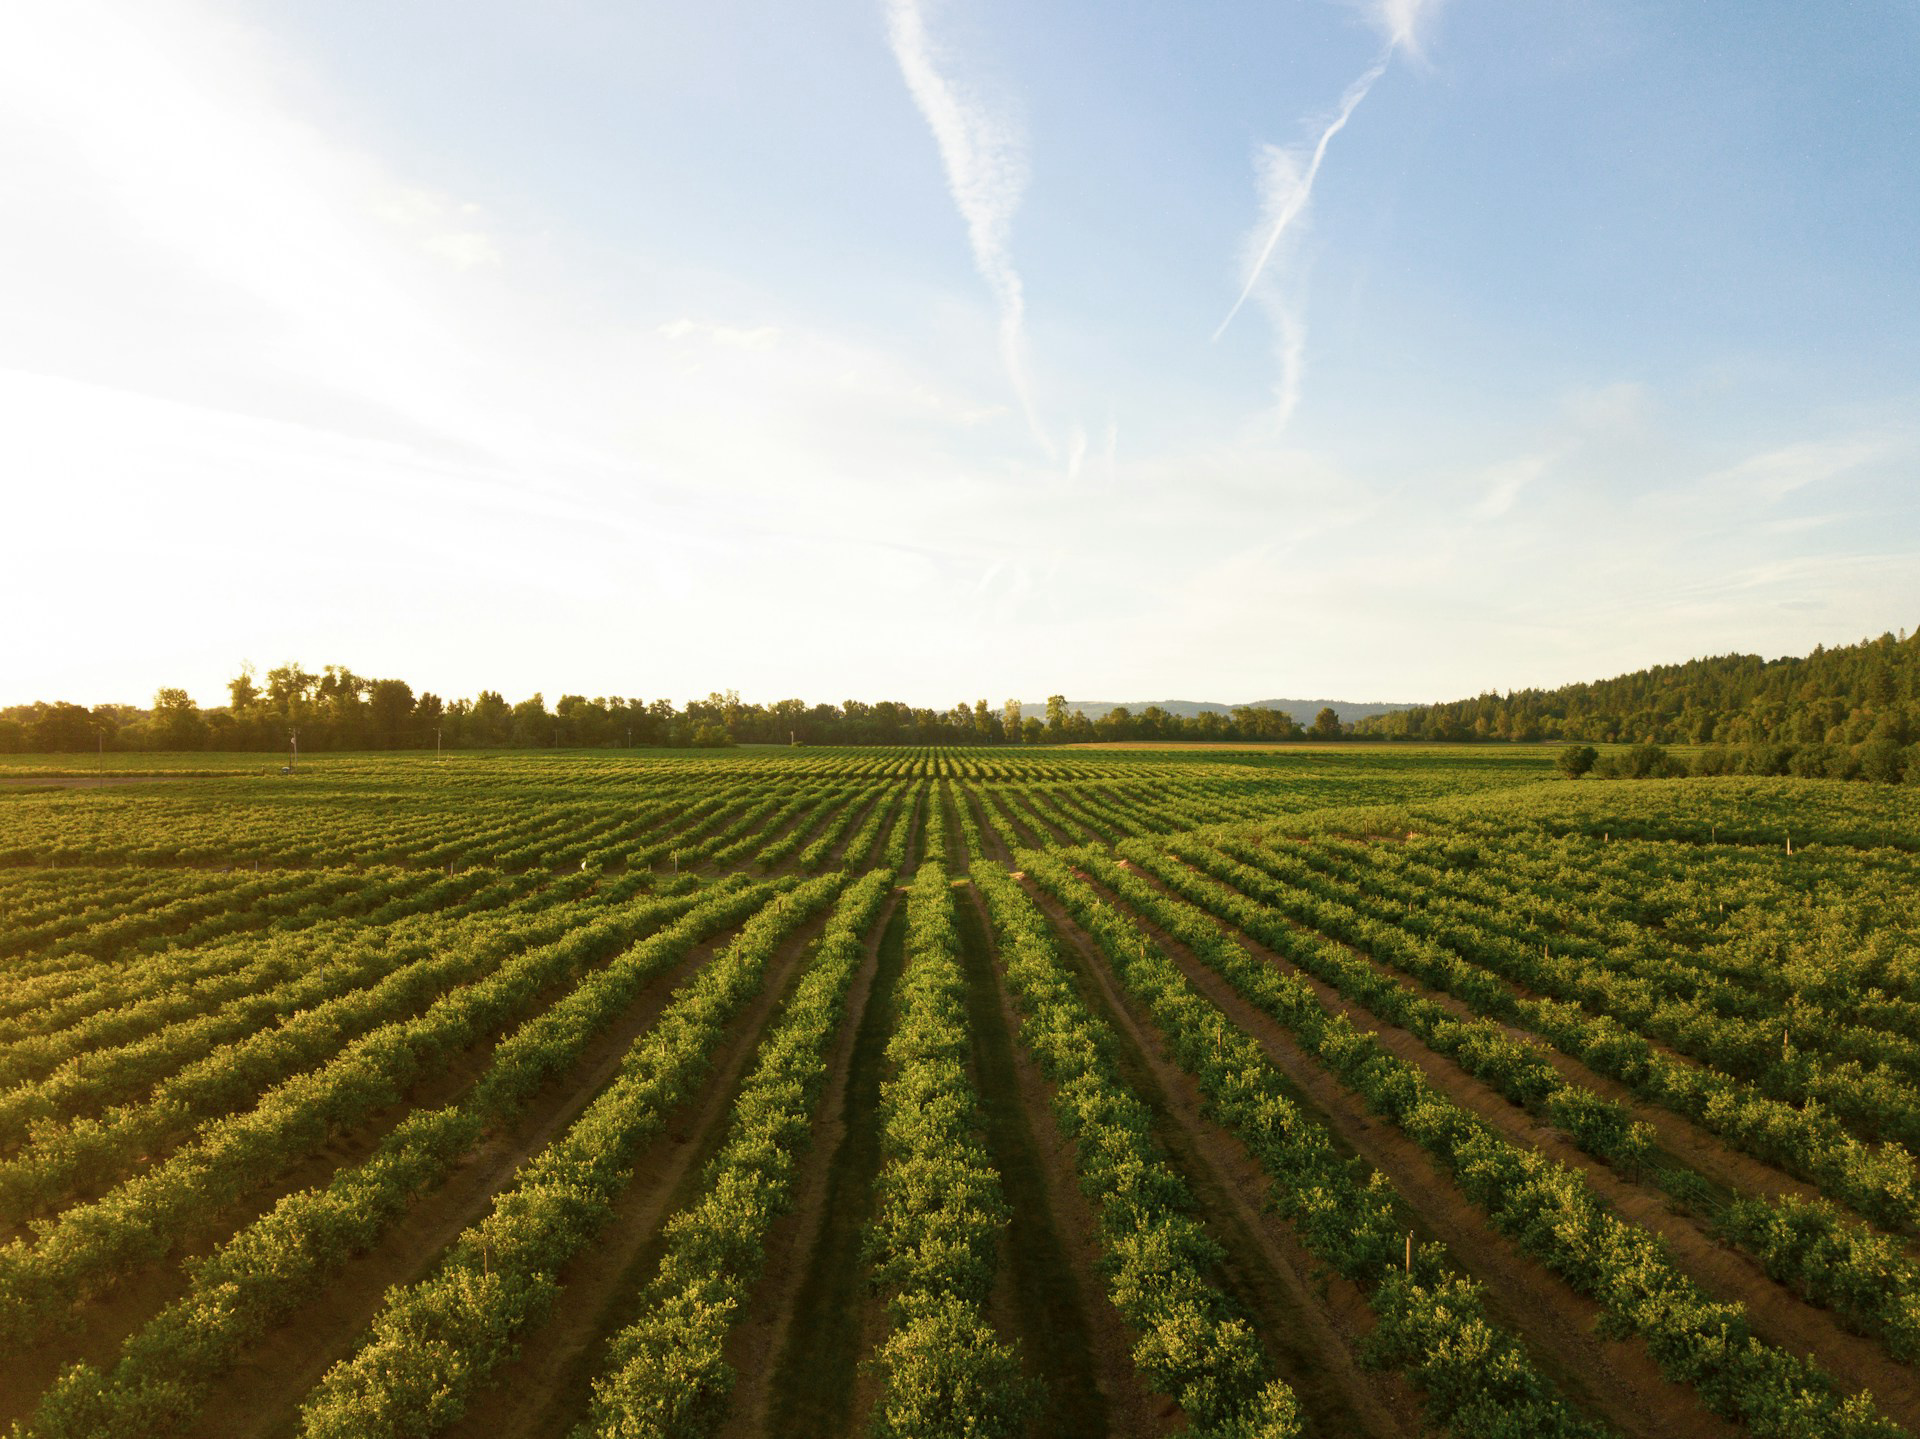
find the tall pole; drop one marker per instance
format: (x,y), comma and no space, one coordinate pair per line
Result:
(293,743)
(436,743)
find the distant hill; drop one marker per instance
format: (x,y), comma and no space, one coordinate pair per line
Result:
(1847,696)
(1302,711)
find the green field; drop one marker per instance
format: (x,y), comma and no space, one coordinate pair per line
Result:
(765,1092)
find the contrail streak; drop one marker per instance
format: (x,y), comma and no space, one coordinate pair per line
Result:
(1292,203)
(986,174)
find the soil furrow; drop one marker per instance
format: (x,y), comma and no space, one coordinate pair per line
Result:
(1042,1293)
(773,1316)
(818,1385)
(1723,1272)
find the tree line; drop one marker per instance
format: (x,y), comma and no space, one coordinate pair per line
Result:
(337,709)
(1846,695)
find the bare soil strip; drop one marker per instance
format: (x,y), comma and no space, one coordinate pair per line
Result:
(1618,1380)
(1131,1410)
(262,1396)
(1724,1273)
(1308,1318)
(545,1390)
(1042,1293)
(770,1321)
(819,1386)
(958,856)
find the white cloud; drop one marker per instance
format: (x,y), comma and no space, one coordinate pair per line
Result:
(1402,22)
(1284,181)
(1774,474)
(984,153)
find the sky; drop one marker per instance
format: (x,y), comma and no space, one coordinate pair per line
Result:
(940,349)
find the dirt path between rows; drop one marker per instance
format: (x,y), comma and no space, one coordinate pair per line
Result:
(1616,1380)
(837,854)
(828,1318)
(1724,1273)
(1308,1318)
(768,1318)
(996,846)
(1699,1149)
(1047,1292)
(1127,1409)
(1025,835)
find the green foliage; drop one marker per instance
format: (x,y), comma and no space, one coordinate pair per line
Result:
(939,1211)
(665,1374)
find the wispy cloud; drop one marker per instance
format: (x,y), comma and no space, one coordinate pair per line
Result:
(1286,186)
(1285,181)
(984,154)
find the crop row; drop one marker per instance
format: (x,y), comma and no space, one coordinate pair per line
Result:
(260,1275)
(87,1248)
(1575,1016)
(1189,1344)
(939,1211)
(1430,1321)
(665,1374)
(1863,1276)
(436,1340)
(1551,1211)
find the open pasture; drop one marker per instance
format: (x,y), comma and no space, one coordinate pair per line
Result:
(1344,1091)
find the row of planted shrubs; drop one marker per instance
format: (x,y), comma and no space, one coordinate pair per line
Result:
(665,1377)
(1551,1211)
(1431,1324)
(90,1247)
(1807,1140)
(259,1276)
(1156,1256)
(938,1210)
(1865,1277)
(436,1341)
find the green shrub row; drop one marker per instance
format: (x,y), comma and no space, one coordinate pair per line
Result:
(436,1341)
(287,1257)
(86,1249)
(1431,1323)
(1555,1216)
(1867,1279)
(665,1374)
(1878,1182)
(944,1373)
(1866,1075)
(62,1160)
(1190,1344)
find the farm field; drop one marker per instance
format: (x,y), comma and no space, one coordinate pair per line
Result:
(1326,1091)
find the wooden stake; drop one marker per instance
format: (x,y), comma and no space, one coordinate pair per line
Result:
(1409,1252)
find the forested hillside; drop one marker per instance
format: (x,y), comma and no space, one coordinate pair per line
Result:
(1851,695)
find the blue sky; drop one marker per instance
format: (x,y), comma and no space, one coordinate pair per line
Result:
(876,349)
